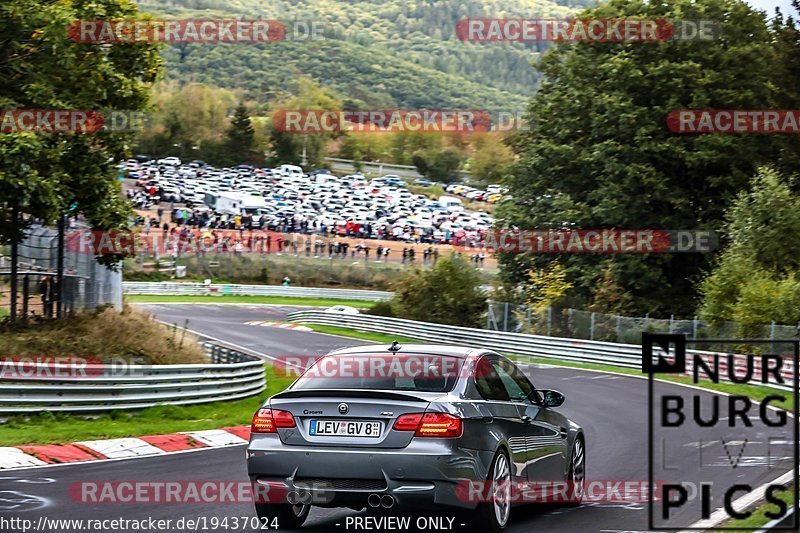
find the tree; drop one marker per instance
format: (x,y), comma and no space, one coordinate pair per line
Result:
(47,175)
(189,121)
(449,293)
(599,155)
(492,159)
(756,279)
(288,147)
(610,296)
(241,136)
(439,165)
(546,287)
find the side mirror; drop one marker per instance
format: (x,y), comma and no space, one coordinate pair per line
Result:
(550,398)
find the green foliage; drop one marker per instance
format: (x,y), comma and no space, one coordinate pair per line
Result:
(241,137)
(492,160)
(382,309)
(188,121)
(599,154)
(610,296)
(387,55)
(288,148)
(449,293)
(546,287)
(756,280)
(439,165)
(44,175)
(764,223)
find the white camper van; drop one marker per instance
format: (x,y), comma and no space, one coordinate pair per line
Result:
(224,202)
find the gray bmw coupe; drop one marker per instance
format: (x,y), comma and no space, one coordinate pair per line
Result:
(413,426)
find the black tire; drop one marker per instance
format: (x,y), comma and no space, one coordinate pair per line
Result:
(288,516)
(492,519)
(576,476)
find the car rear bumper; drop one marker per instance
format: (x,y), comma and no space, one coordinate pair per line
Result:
(428,472)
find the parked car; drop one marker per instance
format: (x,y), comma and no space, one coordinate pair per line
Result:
(171,161)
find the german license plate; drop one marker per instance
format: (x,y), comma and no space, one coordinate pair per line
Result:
(345,428)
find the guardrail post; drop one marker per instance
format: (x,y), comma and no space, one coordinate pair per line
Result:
(25,295)
(772,335)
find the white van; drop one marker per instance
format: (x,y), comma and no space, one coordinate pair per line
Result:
(451,203)
(325,178)
(290,171)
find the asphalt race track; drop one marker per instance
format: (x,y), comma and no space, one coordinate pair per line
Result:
(612,410)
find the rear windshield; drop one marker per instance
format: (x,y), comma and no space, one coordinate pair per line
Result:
(406,372)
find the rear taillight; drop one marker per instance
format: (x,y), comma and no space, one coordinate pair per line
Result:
(408,422)
(268,420)
(440,425)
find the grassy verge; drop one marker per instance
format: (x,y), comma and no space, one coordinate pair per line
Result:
(759,517)
(359,334)
(235,299)
(54,428)
(131,335)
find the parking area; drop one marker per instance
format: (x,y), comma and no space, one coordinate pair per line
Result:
(289,200)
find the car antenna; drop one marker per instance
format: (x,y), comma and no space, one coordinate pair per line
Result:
(395,347)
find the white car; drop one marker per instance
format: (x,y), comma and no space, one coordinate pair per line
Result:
(172,161)
(342,310)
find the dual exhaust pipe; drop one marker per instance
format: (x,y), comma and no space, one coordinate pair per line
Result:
(376,500)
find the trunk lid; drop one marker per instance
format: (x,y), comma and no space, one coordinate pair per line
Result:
(312,406)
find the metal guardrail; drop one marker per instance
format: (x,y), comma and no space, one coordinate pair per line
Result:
(560,349)
(93,388)
(177,288)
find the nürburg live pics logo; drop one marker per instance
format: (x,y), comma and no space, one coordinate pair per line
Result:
(718,456)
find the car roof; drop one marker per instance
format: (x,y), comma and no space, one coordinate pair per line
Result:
(412,349)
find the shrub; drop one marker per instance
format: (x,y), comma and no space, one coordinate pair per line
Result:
(381,309)
(449,293)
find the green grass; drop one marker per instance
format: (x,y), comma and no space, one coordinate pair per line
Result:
(55,428)
(235,299)
(759,517)
(365,335)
